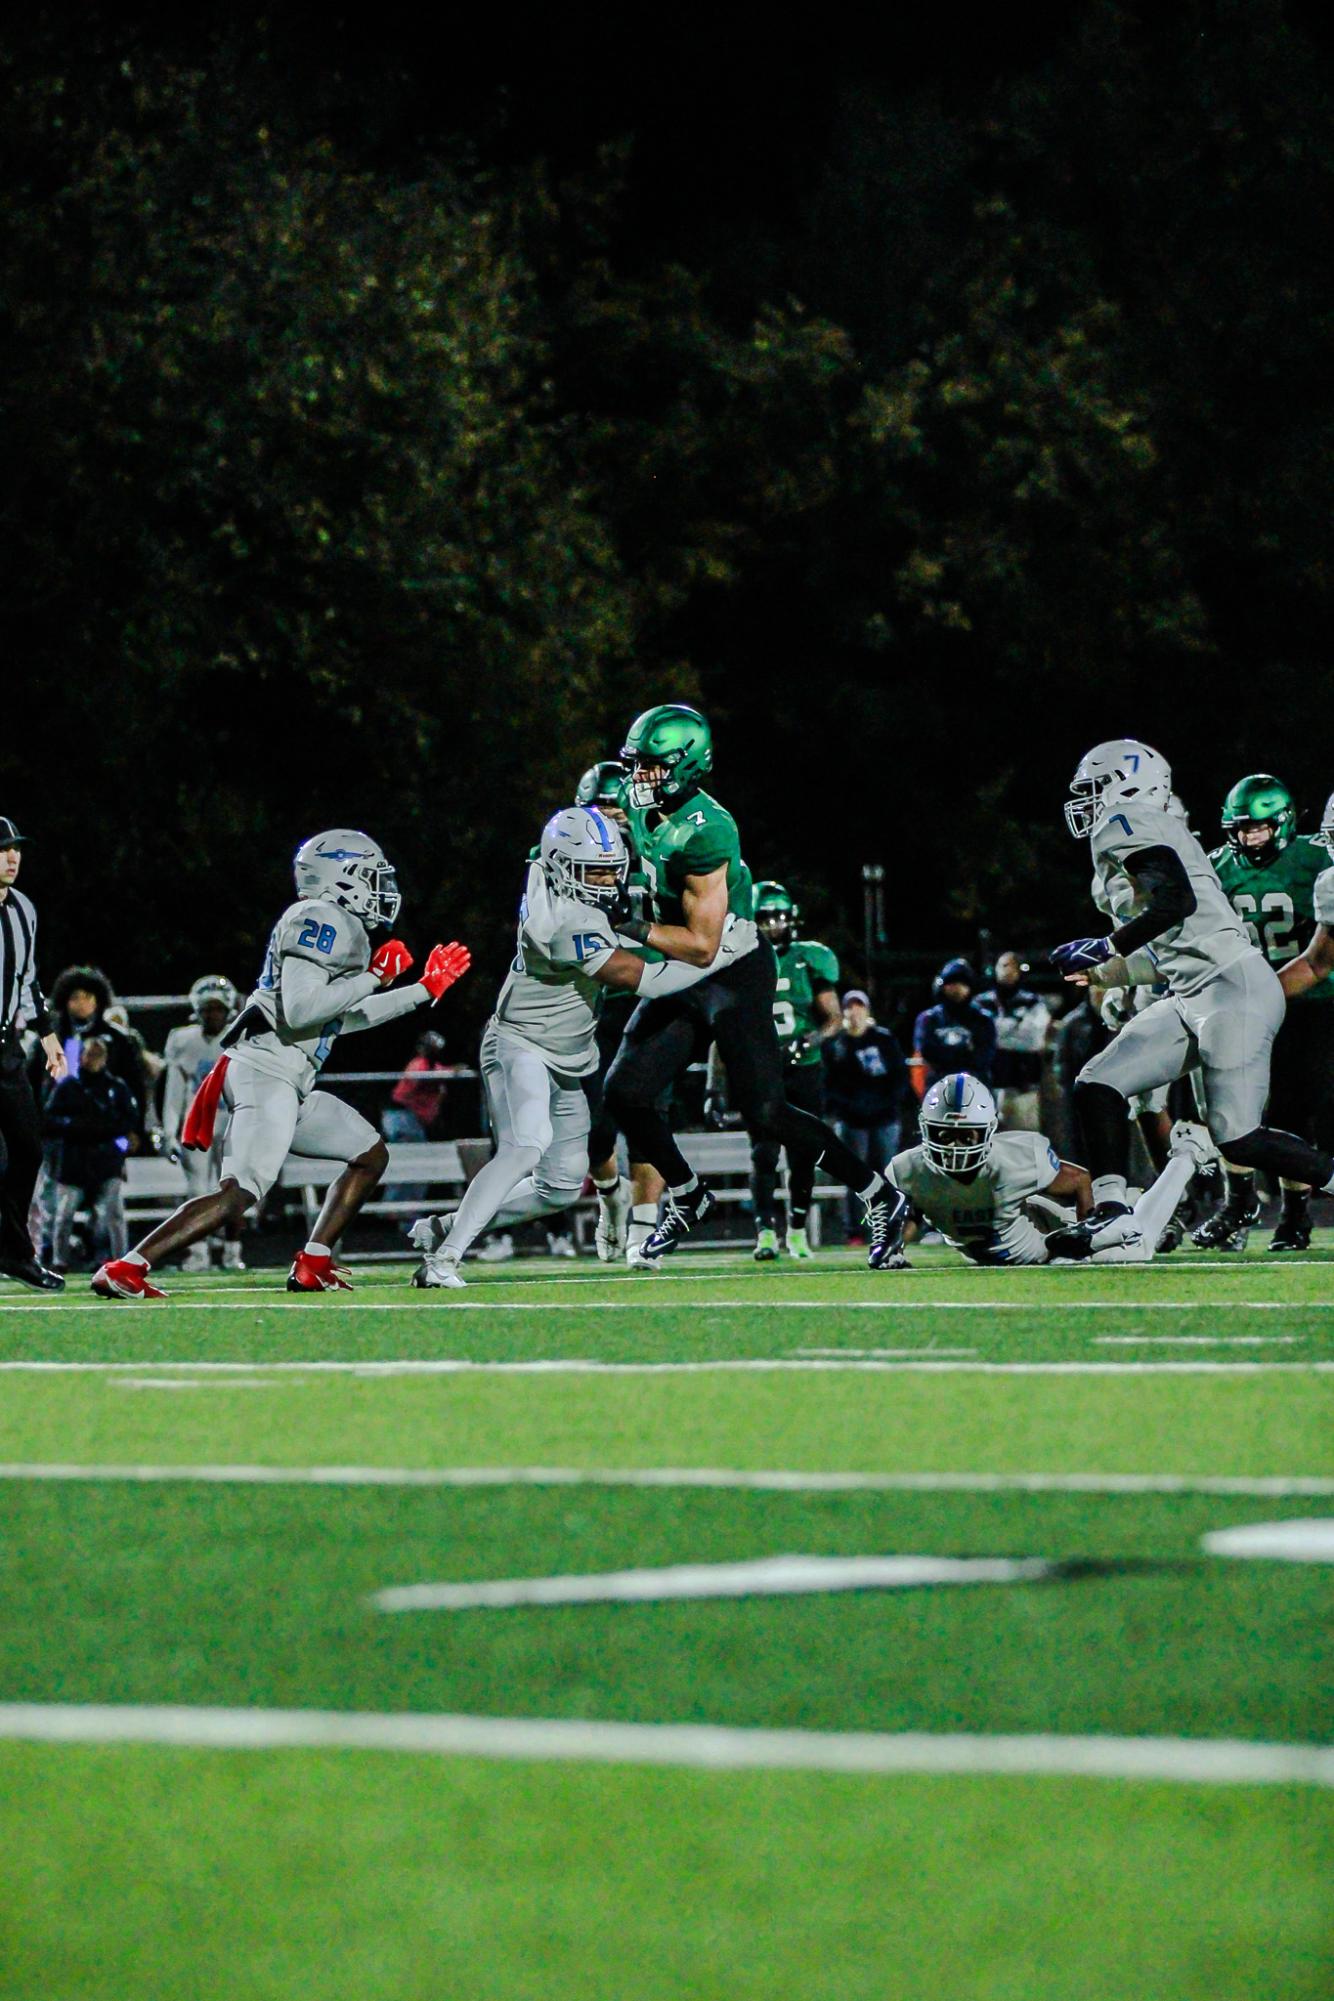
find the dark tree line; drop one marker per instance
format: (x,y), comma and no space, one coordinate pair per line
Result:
(375,456)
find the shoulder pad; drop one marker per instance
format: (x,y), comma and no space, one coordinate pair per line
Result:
(324,933)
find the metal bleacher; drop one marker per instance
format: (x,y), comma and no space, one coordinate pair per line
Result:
(438,1172)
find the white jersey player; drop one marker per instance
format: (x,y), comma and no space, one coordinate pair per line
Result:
(540,1045)
(1223,1003)
(320,978)
(974,1185)
(190,1054)
(1317,961)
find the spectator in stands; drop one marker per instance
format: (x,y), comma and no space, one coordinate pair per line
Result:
(954,1033)
(1080,1034)
(1022,1019)
(90,1115)
(415,1104)
(865,1081)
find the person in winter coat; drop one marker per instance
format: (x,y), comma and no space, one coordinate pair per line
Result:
(955,1034)
(90,1116)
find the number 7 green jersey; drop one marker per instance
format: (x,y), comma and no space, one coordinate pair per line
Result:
(695,838)
(1277,903)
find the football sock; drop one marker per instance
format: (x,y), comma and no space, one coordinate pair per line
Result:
(1109,1188)
(1240,1185)
(645,1213)
(314,1250)
(1296,1195)
(606,1187)
(684,1189)
(1154,1210)
(135,1258)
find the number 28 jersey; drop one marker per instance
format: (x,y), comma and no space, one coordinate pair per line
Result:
(1277,904)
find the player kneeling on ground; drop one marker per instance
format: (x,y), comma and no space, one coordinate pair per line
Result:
(541,1044)
(973,1183)
(319,979)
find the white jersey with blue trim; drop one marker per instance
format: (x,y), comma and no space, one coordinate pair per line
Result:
(1207,942)
(550,999)
(1324,898)
(326,936)
(188,1057)
(983,1216)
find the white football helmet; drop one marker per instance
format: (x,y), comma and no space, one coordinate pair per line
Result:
(958,1122)
(213,987)
(1325,838)
(1114,774)
(350,869)
(576,841)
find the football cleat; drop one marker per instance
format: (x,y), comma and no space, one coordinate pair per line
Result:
(312,1274)
(118,1279)
(439,1274)
(1293,1232)
(798,1244)
(1077,1241)
(496,1250)
(231,1256)
(678,1220)
(886,1214)
(613,1224)
(197,1259)
(1228,1228)
(766,1247)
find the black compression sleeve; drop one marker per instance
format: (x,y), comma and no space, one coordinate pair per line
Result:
(1160,875)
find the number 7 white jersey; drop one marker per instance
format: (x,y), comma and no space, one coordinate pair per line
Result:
(550,999)
(1212,938)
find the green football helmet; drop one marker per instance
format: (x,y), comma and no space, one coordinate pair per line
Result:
(603,785)
(1259,801)
(675,737)
(776,914)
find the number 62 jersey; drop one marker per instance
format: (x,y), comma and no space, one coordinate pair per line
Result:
(1277,904)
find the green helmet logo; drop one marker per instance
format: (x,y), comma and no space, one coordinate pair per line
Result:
(603,785)
(776,912)
(677,739)
(1259,801)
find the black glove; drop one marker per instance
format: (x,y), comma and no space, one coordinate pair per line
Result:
(799,1049)
(715,1111)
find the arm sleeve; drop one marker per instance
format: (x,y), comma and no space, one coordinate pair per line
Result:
(173,1096)
(377,1009)
(1161,879)
(311,996)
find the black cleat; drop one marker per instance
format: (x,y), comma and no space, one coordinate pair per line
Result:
(1293,1232)
(679,1219)
(1228,1228)
(886,1214)
(1076,1240)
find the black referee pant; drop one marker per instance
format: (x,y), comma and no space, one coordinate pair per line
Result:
(735,1009)
(20,1152)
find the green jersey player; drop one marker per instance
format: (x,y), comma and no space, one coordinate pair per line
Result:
(806,1011)
(1268,872)
(690,851)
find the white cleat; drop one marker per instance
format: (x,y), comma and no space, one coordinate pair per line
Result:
(196,1259)
(438,1273)
(560,1245)
(613,1226)
(634,1255)
(231,1256)
(1194,1141)
(496,1250)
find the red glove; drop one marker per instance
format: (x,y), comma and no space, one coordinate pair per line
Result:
(389,960)
(446,964)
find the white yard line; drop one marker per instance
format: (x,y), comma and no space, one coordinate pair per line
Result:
(1196,1340)
(772,1365)
(452,1303)
(708,1747)
(884,1354)
(708,1478)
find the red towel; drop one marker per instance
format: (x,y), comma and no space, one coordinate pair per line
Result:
(197,1132)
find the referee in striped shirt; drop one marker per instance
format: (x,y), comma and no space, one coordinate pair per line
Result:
(21,1005)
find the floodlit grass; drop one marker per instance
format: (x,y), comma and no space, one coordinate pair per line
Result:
(134,1870)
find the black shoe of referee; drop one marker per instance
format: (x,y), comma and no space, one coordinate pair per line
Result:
(29,1272)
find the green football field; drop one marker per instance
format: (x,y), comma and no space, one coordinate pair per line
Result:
(1072,1751)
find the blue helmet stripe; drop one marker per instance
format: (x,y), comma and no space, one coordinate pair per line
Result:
(959,1081)
(604,833)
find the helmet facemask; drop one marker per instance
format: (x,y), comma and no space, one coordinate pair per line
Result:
(1083,809)
(957,1148)
(1122,771)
